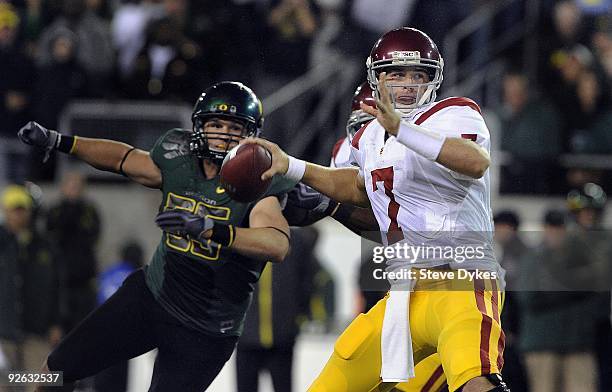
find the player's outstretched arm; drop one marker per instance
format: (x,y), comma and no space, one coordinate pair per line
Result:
(460,155)
(341,184)
(120,158)
(102,154)
(344,185)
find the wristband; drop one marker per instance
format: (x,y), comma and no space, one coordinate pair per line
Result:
(65,143)
(223,234)
(296,169)
(420,140)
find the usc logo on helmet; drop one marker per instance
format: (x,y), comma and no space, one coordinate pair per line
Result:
(406,55)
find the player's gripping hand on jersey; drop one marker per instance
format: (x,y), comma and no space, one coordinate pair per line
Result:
(36,135)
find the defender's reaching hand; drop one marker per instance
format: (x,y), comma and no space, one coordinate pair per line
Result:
(304,197)
(36,135)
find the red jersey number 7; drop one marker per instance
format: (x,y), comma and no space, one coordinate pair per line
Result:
(385,175)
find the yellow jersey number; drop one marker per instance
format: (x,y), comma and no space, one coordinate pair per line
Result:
(208,250)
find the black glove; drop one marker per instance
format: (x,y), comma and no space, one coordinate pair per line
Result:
(306,206)
(36,135)
(183,223)
(303,196)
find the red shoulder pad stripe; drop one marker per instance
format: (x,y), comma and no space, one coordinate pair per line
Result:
(355,141)
(337,147)
(454,101)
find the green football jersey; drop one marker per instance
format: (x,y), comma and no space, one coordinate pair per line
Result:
(203,284)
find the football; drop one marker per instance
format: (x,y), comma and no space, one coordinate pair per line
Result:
(241,172)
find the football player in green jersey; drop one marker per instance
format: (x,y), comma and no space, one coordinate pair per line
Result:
(191,300)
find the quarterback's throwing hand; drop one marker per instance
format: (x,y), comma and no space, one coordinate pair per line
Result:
(36,135)
(280,160)
(385,112)
(184,223)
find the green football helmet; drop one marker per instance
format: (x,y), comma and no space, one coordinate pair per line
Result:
(225,100)
(589,196)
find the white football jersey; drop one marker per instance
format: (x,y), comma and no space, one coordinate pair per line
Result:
(341,154)
(420,201)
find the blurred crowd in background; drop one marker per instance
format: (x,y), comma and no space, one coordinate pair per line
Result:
(556,314)
(565,106)
(56,51)
(48,269)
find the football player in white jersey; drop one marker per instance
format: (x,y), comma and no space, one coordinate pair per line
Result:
(422,168)
(306,206)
